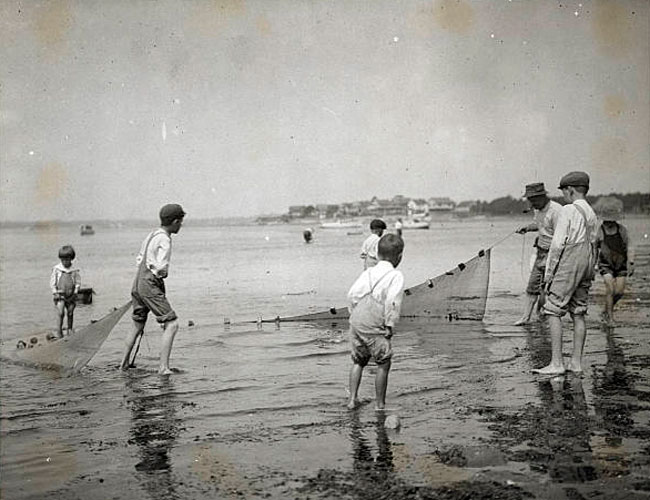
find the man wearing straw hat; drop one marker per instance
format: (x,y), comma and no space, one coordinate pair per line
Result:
(615,257)
(570,271)
(546,214)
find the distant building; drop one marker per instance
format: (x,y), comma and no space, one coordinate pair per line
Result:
(441,205)
(296,211)
(301,211)
(417,206)
(350,209)
(464,208)
(381,208)
(327,211)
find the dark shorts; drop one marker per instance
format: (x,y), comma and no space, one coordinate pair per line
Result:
(68,302)
(607,268)
(148,294)
(367,347)
(536,280)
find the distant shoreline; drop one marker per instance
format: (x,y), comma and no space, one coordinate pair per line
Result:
(252,221)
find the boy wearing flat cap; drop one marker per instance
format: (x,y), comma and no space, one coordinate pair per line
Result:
(546,214)
(148,293)
(569,271)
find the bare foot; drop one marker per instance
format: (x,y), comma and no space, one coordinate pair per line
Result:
(522,321)
(550,370)
(165,371)
(353,404)
(574,367)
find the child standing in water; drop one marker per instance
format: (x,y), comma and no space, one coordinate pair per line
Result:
(65,282)
(615,256)
(375,302)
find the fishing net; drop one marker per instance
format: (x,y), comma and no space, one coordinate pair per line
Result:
(73,351)
(458,294)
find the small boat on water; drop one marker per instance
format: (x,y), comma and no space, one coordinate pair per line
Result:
(416,222)
(339,224)
(86,230)
(70,353)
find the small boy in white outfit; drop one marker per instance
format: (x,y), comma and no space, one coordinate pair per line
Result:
(375,302)
(65,283)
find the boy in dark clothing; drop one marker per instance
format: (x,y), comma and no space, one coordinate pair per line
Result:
(615,256)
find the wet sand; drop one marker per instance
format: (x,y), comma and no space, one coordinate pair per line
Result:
(475,423)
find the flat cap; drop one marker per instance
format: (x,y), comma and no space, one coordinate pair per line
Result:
(171,211)
(574,179)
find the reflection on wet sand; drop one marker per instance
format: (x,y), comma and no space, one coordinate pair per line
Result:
(613,386)
(154,429)
(368,468)
(562,432)
(566,429)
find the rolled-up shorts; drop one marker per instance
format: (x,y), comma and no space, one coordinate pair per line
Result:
(365,347)
(148,294)
(569,289)
(536,280)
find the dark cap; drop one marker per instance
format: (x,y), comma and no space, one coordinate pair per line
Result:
(574,179)
(535,189)
(169,213)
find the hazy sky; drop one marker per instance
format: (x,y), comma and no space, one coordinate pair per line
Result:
(111,108)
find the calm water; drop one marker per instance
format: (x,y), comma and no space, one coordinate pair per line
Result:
(251,403)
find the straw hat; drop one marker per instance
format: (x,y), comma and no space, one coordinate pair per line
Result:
(609,208)
(535,189)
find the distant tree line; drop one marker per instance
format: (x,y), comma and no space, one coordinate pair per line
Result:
(633,203)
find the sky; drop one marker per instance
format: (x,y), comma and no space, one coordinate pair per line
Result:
(231,107)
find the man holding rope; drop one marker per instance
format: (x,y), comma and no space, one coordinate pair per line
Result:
(148,293)
(546,214)
(570,271)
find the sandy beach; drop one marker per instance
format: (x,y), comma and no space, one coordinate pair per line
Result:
(259,412)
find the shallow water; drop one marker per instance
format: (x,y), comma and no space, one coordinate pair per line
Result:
(259,411)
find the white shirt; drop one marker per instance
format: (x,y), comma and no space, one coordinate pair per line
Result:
(369,247)
(388,291)
(545,221)
(57,271)
(571,229)
(159,252)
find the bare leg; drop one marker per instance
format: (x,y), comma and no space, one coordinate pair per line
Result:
(609,297)
(138,329)
(70,310)
(355,380)
(59,311)
(171,327)
(619,288)
(381,384)
(530,305)
(579,336)
(557,365)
